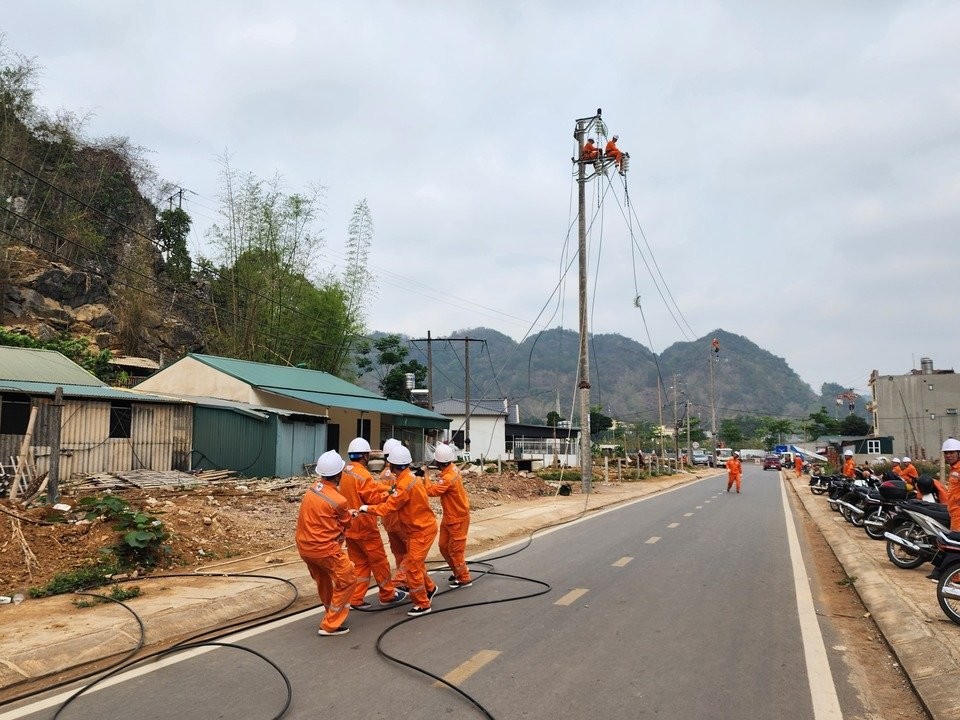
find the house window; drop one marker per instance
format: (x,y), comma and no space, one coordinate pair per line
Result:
(363,429)
(951,411)
(121,416)
(14,413)
(873,447)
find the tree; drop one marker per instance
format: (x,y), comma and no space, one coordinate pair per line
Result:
(357,280)
(268,307)
(853,425)
(173,226)
(730,432)
(822,424)
(553,418)
(774,430)
(598,421)
(391,363)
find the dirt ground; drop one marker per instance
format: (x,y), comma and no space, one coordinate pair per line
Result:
(223,520)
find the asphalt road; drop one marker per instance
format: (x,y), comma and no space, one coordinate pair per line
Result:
(688,604)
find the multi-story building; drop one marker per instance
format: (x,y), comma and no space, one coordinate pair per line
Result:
(918,409)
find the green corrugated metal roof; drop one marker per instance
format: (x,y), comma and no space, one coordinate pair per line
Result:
(320,388)
(96,392)
(278,376)
(43,366)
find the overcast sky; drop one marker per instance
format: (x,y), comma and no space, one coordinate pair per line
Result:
(795,167)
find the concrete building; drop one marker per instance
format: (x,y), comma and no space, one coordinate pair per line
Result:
(918,409)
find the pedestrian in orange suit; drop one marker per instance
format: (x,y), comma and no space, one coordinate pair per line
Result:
(734,470)
(849,466)
(364,545)
(396,535)
(323,519)
(798,465)
(409,500)
(456,516)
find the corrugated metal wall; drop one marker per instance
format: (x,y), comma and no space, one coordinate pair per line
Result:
(228,440)
(160,437)
(299,444)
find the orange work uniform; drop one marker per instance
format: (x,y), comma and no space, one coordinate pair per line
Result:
(849,468)
(364,545)
(396,535)
(897,470)
(611,150)
(323,518)
(590,151)
(909,475)
(456,520)
(409,501)
(734,470)
(953,496)
(798,465)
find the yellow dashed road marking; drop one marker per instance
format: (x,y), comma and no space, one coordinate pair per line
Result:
(464,671)
(572,596)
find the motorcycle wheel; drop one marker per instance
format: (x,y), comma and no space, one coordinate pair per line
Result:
(904,557)
(877,516)
(847,513)
(817,489)
(948,592)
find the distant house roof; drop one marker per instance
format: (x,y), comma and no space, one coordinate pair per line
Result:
(41,372)
(135,362)
(453,406)
(319,388)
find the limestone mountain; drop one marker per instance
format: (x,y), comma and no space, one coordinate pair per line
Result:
(535,374)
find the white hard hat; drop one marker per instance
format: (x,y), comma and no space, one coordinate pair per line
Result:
(896,460)
(444,454)
(950,444)
(905,459)
(329,464)
(389,444)
(848,453)
(399,455)
(358,445)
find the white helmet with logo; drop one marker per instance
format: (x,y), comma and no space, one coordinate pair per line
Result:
(905,459)
(330,464)
(950,445)
(358,445)
(444,454)
(399,455)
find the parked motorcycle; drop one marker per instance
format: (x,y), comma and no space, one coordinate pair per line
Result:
(819,484)
(879,510)
(948,587)
(913,532)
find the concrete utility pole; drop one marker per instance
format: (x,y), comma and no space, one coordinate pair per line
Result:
(676,439)
(583,386)
(53,474)
(429,340)
(689,441)
(713,402)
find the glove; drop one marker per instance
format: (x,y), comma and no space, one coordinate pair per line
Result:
(354,513)
(364,508)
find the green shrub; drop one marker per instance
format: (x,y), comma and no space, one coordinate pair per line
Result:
(143,536)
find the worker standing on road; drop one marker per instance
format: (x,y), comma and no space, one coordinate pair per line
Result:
(734,471)
(396,535)
(456,516)
(798,465)
(412,506)
(849,466)
(324,517)
(364,545)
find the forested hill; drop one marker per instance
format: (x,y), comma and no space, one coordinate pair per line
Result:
(747,379)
